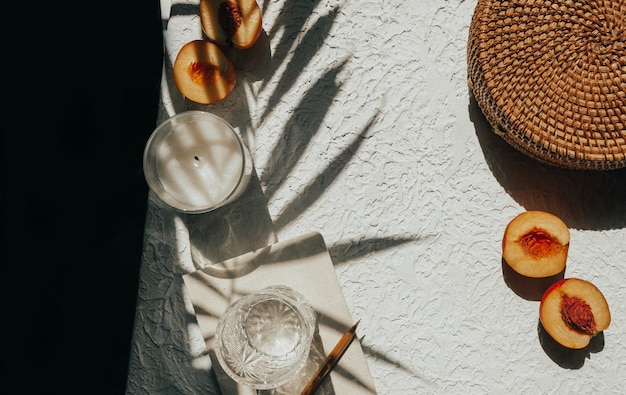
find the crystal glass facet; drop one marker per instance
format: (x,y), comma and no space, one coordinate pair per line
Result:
(264,338)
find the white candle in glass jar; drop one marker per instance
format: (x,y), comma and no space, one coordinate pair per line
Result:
(196,162)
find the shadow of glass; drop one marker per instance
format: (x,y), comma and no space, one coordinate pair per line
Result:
(237,228)
(565,357)
(584,199)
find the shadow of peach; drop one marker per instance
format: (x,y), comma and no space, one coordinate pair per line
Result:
(525,287)
(565,357)
(252,63)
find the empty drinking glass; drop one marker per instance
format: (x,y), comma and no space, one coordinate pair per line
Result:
(263,339)
(196,162)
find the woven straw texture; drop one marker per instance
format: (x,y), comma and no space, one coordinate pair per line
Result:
(550,77)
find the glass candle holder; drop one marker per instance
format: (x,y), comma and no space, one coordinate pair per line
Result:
(263,339)
(196,162)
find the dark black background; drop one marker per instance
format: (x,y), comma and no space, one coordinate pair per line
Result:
(81,98)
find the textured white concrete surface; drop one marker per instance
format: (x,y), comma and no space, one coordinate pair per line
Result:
(359,119)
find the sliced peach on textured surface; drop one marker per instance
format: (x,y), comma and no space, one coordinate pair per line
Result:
(535,244)
(202,72)
(231,22)
(572,311)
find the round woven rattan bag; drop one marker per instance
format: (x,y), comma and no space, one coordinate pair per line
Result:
(550,77)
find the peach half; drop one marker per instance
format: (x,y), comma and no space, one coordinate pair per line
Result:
(203,73)
(234,23)
(572,311)
(535,244)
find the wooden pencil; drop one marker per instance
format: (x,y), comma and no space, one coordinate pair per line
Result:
(331,360)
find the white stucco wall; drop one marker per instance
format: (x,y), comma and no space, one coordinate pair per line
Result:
(361,127)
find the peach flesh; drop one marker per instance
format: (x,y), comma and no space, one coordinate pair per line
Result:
(539,243)
(572,311)
(202,73)
(235,23)
(535,244)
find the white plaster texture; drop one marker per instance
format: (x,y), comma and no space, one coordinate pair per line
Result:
(362,128)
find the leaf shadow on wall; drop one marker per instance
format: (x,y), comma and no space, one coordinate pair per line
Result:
(289,61)
(583,199)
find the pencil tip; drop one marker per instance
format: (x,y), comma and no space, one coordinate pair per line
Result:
(356,324)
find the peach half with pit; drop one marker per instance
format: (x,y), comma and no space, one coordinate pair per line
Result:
(573,311)
(202,73)
(235,23)
(535,244)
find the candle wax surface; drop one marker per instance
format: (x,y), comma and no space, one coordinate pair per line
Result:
(200,163)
